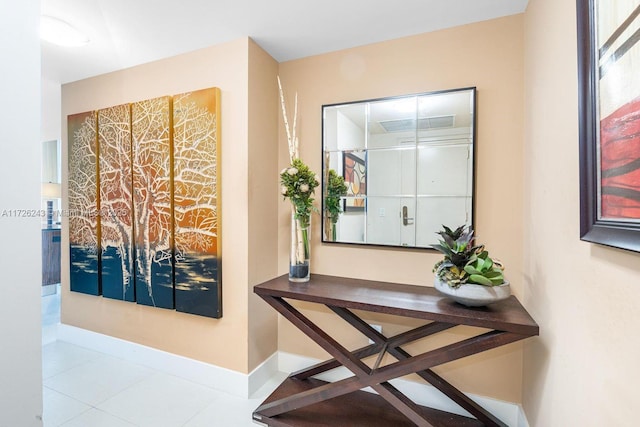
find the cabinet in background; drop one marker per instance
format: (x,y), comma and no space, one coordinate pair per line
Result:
(50,256)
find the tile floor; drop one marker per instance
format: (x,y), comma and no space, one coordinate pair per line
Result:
(85,388)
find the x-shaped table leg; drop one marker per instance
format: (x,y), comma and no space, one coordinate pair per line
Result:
(364,376)
(376,348)
(393,348)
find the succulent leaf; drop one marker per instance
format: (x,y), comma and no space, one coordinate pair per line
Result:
(449,241)
(471,269)
(480,280)
(488,263)
(493,274)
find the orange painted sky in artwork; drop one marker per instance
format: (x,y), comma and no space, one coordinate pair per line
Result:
(83,228)
(202,190)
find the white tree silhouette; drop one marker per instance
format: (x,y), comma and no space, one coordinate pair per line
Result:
(151,185)
(114,136)
(82,182)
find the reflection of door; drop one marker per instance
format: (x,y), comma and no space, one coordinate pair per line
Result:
(419,169)
(443,182)
(391,196)
(407,209)
(392,165)
(384,198)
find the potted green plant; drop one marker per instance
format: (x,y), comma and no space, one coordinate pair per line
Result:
(467,274)
(336,189)
(298,184)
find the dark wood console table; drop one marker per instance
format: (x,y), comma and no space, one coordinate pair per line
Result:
(303,401)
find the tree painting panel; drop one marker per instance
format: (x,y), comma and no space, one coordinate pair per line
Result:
(152,202)
(116,230)
(84,245)
(196,202)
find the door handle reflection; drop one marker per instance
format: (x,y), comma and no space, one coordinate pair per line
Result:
(405,219)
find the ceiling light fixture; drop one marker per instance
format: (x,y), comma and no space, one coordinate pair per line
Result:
(61,33)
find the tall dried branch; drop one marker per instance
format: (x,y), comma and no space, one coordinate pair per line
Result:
(292,138)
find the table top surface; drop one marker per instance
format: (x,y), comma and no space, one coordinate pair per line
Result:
(420,302)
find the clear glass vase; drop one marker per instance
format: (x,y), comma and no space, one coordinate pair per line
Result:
(299,257)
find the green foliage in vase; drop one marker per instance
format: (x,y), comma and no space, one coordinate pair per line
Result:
(336,188)
(464,262)
(298,183)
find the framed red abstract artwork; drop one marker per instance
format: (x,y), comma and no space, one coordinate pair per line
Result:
(609,106)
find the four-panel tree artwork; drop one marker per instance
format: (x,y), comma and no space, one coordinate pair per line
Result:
(143,202)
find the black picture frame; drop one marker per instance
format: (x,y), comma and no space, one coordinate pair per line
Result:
(618,233)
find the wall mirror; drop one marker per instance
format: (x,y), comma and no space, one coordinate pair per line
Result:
(408,165)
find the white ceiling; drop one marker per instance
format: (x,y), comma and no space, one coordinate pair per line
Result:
(125,33)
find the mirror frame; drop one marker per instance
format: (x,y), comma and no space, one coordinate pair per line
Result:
(474,145)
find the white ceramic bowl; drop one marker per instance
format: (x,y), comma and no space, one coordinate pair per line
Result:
(473,295)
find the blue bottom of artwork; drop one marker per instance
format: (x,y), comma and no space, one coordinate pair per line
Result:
(161,292)
(112,278)
(197,287)
(83,271)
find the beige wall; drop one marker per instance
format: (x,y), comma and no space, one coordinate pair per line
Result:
(583,370)
(223,342)
(487,55)
(263,199)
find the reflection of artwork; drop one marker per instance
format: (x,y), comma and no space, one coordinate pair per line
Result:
(196,184)
(156,239)
(355,174)
(83,203)
(152,202)
(116,228)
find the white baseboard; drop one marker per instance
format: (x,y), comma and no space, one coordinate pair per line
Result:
(423,394)
(263,373)
(229,381)
(522,418)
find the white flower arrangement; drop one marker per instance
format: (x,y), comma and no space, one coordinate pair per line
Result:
(298,183)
